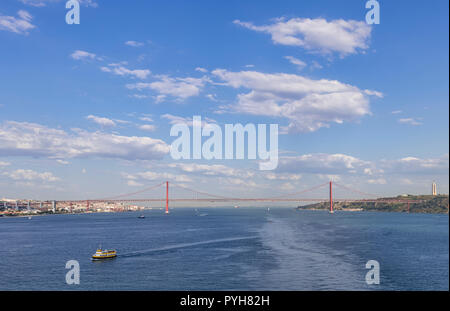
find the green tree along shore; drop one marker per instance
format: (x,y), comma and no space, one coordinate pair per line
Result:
(426,204)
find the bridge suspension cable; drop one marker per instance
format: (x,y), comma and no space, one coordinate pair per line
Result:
(300,192)
(354,190)
(126,196)
(130,194)
(199,192)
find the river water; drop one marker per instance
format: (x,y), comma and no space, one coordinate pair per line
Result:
(227,249)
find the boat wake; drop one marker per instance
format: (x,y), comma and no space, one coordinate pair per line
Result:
(304,260)
(184,245)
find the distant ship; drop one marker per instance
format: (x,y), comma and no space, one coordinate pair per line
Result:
(236,206)
(104,254)
(201,214)
(142,217)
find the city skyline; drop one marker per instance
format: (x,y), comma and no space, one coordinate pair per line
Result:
(86,110)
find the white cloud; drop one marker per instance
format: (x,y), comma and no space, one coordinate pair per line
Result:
(415,165)
(248,184)
(21,25)
(82,55)
(340,164)
(147,127)
(409,121)
(378,181)
(25,15)
(34,140)
(374,93)
(211,97)
(160,98)
(146,119)
(63,162)
(4,163)
(134,43)
(237,182)
(30,175)
(287,186)
(396,111)
(340,168)
(186,120)
(42,3)
(307,104)
(300,64)
(201,69)
(277,176)
(120,70)
(318,35)
(328,177)
(139,96)
(151,175)
(121,121)
(180,88)
(134,183)
(211,170)
(368,171)
(321,163)
(35,3)
(101,121)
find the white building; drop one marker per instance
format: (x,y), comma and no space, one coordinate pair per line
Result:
(433,188)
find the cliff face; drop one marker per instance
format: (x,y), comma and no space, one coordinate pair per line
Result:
(429,204)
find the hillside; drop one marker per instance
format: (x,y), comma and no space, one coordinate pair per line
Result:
(429,204)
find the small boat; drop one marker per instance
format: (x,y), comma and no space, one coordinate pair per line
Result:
(104,254)
(141,217)
(29,217)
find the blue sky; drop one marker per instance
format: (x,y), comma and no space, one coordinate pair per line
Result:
(86,110)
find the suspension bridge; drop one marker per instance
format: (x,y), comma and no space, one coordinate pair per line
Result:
(164,195)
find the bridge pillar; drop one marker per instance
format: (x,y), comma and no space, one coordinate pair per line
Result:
(167,197)
(331,197)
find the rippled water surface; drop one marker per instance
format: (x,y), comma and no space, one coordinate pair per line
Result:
(227,249)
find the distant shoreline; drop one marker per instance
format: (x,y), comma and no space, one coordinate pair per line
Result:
(312,207)
(365,211)
(423,204)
